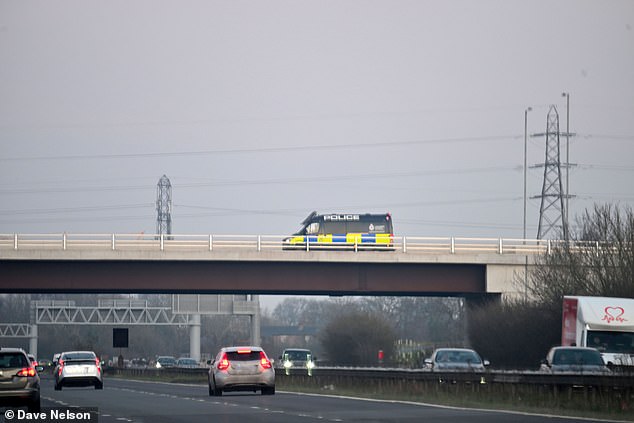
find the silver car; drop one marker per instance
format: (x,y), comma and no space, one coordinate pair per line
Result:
(78,368)
(241,369)
(19,381)
(187,363)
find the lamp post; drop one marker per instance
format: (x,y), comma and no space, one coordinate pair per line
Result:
(567,95)
(528,109)
(525,166)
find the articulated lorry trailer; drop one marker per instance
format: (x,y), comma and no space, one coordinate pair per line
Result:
(604,323)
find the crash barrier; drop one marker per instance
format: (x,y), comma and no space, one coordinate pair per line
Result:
(611,394)
(208,242)
(603,394)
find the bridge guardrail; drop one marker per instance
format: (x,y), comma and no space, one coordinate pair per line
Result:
(199,242)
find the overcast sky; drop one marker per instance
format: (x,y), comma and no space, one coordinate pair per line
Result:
(261,111)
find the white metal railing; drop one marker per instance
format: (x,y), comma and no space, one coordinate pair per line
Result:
(182,242)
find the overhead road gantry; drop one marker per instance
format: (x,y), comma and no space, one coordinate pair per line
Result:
(185,310)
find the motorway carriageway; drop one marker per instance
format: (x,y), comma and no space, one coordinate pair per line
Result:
(155,402)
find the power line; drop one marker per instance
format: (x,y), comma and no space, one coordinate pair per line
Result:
(608,137)
(302,180)
(265,149)
(74,209)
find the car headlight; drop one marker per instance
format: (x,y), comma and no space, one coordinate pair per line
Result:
(288,364)
(158,365)
(310,364)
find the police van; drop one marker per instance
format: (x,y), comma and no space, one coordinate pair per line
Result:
(343,231)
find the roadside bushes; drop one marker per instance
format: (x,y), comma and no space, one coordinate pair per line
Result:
(514,335)
(354,338)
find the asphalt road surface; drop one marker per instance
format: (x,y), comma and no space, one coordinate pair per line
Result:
(151,402)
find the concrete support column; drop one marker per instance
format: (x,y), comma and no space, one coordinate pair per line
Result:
(194,336)
(255,322)
(33,341)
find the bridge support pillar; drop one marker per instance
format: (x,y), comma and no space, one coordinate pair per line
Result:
(194,336)
(255,322)
(33,341)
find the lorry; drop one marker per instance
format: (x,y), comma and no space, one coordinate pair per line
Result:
(604,323)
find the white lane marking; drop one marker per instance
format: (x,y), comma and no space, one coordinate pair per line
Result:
(230,404)
(449,407)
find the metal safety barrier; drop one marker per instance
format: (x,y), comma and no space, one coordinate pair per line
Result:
(207,242)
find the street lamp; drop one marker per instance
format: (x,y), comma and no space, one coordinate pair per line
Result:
(567,95)
(528,109)
(525,166)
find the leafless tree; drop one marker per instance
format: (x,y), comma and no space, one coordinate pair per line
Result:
(598,261)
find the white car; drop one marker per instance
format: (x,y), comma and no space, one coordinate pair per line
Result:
(78,368)
(241,369)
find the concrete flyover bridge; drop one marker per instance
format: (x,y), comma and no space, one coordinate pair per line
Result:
(263,264)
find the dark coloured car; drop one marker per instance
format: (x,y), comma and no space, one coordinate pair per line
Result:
(78,368)
(165,361)
(455,359)
(574,360)
(297,358)
(19,381)
(241,369)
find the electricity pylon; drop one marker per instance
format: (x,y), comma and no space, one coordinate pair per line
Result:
(552,213)
(164,206)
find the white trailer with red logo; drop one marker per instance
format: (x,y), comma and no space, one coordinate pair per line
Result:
(604,323)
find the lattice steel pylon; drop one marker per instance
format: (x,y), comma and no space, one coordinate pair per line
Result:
(552,215)
(164,206)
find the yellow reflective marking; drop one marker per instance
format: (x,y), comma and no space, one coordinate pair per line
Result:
(297,240)
(382,238)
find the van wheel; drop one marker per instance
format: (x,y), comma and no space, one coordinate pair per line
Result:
(99,385)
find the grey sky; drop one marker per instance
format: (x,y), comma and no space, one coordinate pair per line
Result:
(262,111)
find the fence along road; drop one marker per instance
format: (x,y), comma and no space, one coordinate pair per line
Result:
(403,244)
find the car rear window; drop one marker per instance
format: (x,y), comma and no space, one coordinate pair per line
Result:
(78,356)
(577,357)
(12,360)
(243,356)
(457,357)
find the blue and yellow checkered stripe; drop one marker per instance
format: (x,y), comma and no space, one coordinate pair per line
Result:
(358,238)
